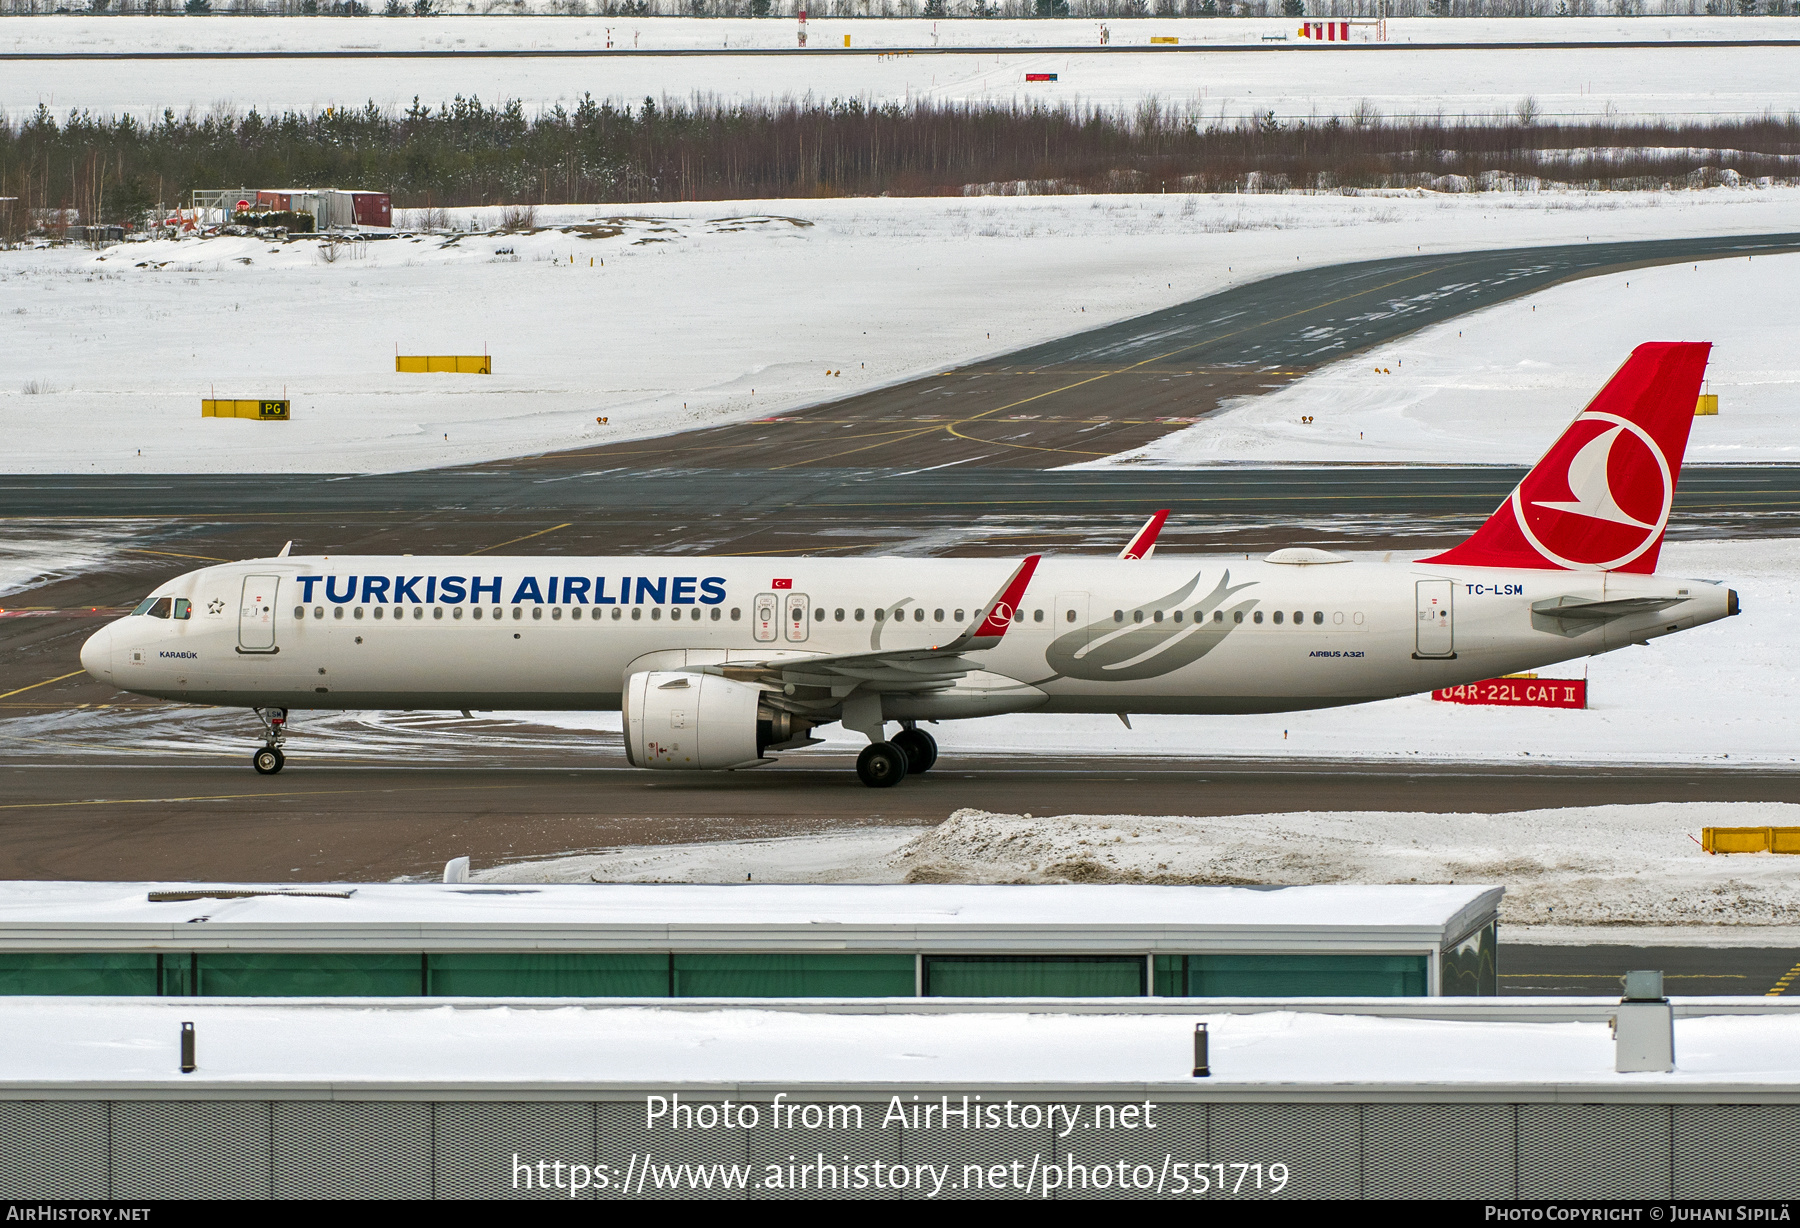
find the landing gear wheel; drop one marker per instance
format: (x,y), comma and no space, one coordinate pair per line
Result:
(882,765)
(268,760)
(919,747)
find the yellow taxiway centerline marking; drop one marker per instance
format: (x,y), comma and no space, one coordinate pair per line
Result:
(46,682)
(170,554)
(526,538)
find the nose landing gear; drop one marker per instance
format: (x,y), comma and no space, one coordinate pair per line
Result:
(269,760)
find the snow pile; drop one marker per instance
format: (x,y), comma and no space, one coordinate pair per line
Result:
(857,855)
(660,320)
(1623,866)
(1498,386)
(1601,865)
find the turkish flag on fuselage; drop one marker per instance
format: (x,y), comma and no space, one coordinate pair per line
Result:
(1599,499)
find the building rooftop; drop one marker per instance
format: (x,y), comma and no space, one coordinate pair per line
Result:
(332,1048)
(188,916)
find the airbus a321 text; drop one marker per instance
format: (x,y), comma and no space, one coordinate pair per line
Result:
(724,663)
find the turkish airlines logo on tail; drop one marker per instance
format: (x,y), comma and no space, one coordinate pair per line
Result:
(1600,498)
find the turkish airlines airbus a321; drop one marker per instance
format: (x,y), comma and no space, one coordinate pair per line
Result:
(718,663)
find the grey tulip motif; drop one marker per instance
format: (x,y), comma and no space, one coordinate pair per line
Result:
(1110,652)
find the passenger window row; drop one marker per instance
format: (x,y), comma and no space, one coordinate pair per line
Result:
(1278,617)
(477,613)
(617,613)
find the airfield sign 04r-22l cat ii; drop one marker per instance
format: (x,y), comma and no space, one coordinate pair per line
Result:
(723,663)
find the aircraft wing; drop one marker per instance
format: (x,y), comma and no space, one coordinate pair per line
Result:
(899,669)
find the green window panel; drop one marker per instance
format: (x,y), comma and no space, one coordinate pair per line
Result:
(793,976)
(177,973)
(303,975)
(1471,967)
(1291,976)
(580,975)
(1034,976)
(1170,979)
(78,973)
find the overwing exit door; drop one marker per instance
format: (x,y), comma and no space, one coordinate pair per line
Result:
(1436,635)
(767,612)
(799,616)
(256,614)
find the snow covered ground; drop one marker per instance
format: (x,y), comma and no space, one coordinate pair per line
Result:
(1599,84)
(65,34)
(1621,870)
(688,315)
(1497,386)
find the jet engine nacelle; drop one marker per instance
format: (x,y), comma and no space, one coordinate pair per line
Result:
(690,722)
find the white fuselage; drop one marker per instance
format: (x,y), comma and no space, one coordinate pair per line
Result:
(1176,634)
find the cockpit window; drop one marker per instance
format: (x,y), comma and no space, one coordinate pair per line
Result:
(183,607)
(155,607)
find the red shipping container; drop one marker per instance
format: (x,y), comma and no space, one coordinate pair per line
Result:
(278,202)
(1040,76)
(372,208)
(1519,693)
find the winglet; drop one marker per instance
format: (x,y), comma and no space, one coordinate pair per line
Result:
(1143,545)
(999,611)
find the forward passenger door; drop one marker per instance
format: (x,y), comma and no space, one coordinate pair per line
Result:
(256,614)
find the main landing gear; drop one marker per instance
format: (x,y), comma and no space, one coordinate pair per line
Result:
(883,765)
(269,760)
(920,749)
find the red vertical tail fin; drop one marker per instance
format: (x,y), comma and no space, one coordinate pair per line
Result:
(1599,499)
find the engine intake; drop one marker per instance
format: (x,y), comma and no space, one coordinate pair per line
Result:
(692,722)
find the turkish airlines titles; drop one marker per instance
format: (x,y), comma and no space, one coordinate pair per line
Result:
(564,590)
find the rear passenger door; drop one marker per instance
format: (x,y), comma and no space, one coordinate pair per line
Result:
(1436,620)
